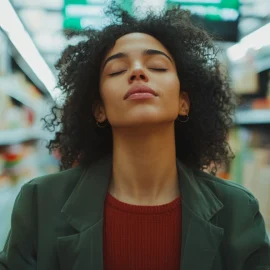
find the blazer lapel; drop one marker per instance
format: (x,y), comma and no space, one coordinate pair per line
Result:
(200,238)
(201,244)
(84,212)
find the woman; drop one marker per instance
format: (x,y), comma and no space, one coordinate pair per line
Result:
(146,111)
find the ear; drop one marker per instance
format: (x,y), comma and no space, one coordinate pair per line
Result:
(99,111)
(184,104)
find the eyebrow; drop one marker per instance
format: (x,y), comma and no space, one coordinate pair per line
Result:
(125,55)
(156,52)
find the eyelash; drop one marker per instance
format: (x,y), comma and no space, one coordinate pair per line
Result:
(155,69)
(117,73)
(159,69)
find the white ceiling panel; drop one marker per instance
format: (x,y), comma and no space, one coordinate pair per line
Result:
(50,43)
(40,20)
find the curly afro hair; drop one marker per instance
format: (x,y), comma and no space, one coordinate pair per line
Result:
(200,143)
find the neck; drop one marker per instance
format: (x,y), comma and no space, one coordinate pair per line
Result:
(144,166)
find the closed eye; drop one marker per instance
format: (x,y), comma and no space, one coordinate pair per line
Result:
(159,69)
(116,73)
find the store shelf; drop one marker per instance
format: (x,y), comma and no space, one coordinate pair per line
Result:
(249,117)
(13,88)
(21,134)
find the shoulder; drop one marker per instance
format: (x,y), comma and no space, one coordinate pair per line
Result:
(239,204)
(245,242)
(60,179)
(228,192)
(53,188)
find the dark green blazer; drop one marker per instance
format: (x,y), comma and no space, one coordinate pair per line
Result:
(57,223)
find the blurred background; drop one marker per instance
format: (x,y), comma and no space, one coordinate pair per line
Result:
(31,40)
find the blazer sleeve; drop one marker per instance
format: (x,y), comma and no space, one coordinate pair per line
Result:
(20,248)
(257,239)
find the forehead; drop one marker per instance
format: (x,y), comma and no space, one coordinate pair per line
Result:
(136,42)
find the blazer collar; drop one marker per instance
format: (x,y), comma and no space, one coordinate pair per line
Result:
(84,211)
(85,205)
(200,238)
(196,195)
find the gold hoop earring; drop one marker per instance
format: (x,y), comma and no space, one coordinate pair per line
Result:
(182,121)
(102,125)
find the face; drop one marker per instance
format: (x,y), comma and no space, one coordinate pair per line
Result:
(139,64)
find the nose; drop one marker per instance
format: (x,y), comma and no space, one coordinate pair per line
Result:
(138,74)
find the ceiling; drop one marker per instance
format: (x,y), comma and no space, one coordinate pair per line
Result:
(44,21)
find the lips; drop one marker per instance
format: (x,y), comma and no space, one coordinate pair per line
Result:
(136,89)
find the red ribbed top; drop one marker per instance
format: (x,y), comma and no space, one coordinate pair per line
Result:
(141,237)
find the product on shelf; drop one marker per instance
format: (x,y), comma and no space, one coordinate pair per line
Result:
(251,167)
(244,76)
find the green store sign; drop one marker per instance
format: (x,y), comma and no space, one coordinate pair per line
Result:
(214,10)
(81,13)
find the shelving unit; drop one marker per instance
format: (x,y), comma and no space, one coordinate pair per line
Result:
(250,117)
(19,135)
(13,88)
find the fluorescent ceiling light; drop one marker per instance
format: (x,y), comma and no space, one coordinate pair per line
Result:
(143,6)
(84,10)
(255,41)
(227,14)
(97,23)
(16,32)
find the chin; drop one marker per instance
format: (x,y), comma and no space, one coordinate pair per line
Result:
(143,122)
(141,119)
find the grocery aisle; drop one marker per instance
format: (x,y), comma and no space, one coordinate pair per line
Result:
(23,155)
(28,79)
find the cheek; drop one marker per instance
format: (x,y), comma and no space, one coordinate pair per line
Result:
(176,84)
(106,91)
(172,87)
(110,95)
(171,94)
